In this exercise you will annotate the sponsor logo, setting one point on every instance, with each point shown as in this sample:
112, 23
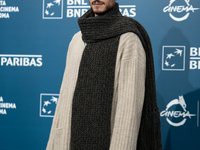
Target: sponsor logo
48, 104
4, 106
52, 9
176, 115
76, 8
21, 60
6, 10
128, 10
194, 58
179, 11
173, 58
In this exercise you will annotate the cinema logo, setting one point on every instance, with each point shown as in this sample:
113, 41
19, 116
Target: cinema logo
21, 60
4, 106
176, 118
181, 9
5, 10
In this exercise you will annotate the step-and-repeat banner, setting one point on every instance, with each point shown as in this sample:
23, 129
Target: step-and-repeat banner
34, 38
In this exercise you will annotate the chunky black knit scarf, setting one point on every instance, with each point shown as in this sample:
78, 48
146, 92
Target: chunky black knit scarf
92, 102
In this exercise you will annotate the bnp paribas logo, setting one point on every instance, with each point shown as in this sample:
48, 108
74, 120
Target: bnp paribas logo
173, 58
48, 104
52, 9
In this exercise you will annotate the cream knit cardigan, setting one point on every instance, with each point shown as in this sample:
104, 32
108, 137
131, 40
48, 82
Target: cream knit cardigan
128, 98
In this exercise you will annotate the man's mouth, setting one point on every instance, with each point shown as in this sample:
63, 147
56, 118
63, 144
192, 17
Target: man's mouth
97, 2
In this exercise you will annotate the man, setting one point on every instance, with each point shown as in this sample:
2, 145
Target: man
107, 98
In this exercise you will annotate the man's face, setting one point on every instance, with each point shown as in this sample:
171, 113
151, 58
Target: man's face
101, 7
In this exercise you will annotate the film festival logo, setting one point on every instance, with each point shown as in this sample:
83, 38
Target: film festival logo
4, 106
48, 104
179, 116
6, 10
179, 10
173, 58
52, 9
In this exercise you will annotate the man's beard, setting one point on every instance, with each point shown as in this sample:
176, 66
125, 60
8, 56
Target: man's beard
107, 9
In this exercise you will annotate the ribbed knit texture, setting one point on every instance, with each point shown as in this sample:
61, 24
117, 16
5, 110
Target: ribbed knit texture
96, 29
92, 102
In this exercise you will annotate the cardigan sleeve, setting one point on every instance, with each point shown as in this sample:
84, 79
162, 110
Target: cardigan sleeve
59, 110
129, 93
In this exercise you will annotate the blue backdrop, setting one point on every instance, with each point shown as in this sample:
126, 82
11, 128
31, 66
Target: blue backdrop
34, 38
